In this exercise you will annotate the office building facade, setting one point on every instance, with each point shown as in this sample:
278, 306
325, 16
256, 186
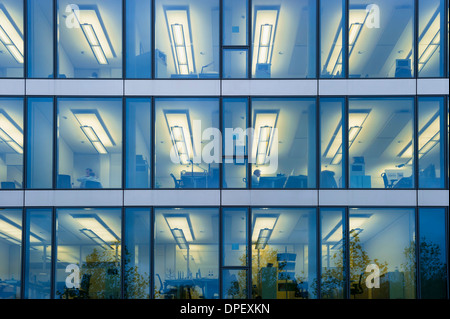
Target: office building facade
224, 149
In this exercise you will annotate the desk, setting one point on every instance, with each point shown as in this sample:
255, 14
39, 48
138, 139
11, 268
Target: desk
272, 181
194, 180
183, 288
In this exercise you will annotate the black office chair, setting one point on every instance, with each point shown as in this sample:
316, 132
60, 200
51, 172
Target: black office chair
356, 287
64, 181
387, 184
177, 182
93, 184
8, 185
327, 179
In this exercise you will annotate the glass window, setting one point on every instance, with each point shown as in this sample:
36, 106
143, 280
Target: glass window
431, 40
235, 22
88, 253
10, 253
38, 263
89, 39
235, 63
332, 116
187, 39
284, 257
186, 253
380, 39
234, 283
11, 39
332, 19
283, 151
89, 148
431, 112
11, 143
40, 143
138, 143
284, 39
187, 143
380, 139
333, 281
139, 38
235, 237
433, 248
382, 253
137, 253
40, 38
235, 119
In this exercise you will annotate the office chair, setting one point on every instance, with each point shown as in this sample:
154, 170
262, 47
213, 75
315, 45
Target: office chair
64, 181
356, 288
387, 184
93, 184
176, 181
8, 185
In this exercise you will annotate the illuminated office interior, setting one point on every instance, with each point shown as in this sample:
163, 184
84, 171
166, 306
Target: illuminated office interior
224, 149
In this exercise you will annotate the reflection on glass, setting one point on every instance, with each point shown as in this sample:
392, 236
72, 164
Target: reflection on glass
333, 285
11, 39
40, 38
235, 142
138, 145
433, 264
137, 253
187, 143
40, 143
235, 63
234, 237
284, 39
332, 112
138, 38
284, 143
187, 39
380, 139
11, 143
380, 38
332, 56
284, 253
39, 253
89, 39
187, 250
234, 283
88, 245
382, 239
89, 143
235, 13
10, 253
431, 38
431, 151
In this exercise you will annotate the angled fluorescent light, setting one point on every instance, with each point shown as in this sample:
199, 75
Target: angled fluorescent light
263, 238
178, 25
12, 231
266, 19
180, 226
96, 225
430, 39
95, 32
265, 124
95, 238
356, 222
357, 19
93, 126
178, 123
263, 222
10, 132
179, 237
10, 35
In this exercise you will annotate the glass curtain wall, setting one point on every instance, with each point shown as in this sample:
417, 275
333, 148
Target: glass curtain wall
11, 39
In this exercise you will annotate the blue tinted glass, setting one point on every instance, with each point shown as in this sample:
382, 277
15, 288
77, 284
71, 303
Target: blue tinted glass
39, 253
285, 259
138, 36
11, 143
89, 39
431, 38
137, 253
10, 253
40, 39
235, 63
234, 283
138, 145
235, 143
234, 236
431, 148
187, 143
284, 143
235, 22
11, 39
332, 56
89, 149
433, 259
187, 250
331, 139
380, 38
88, 257
40, 143
284, 39
187, 39
380, 139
